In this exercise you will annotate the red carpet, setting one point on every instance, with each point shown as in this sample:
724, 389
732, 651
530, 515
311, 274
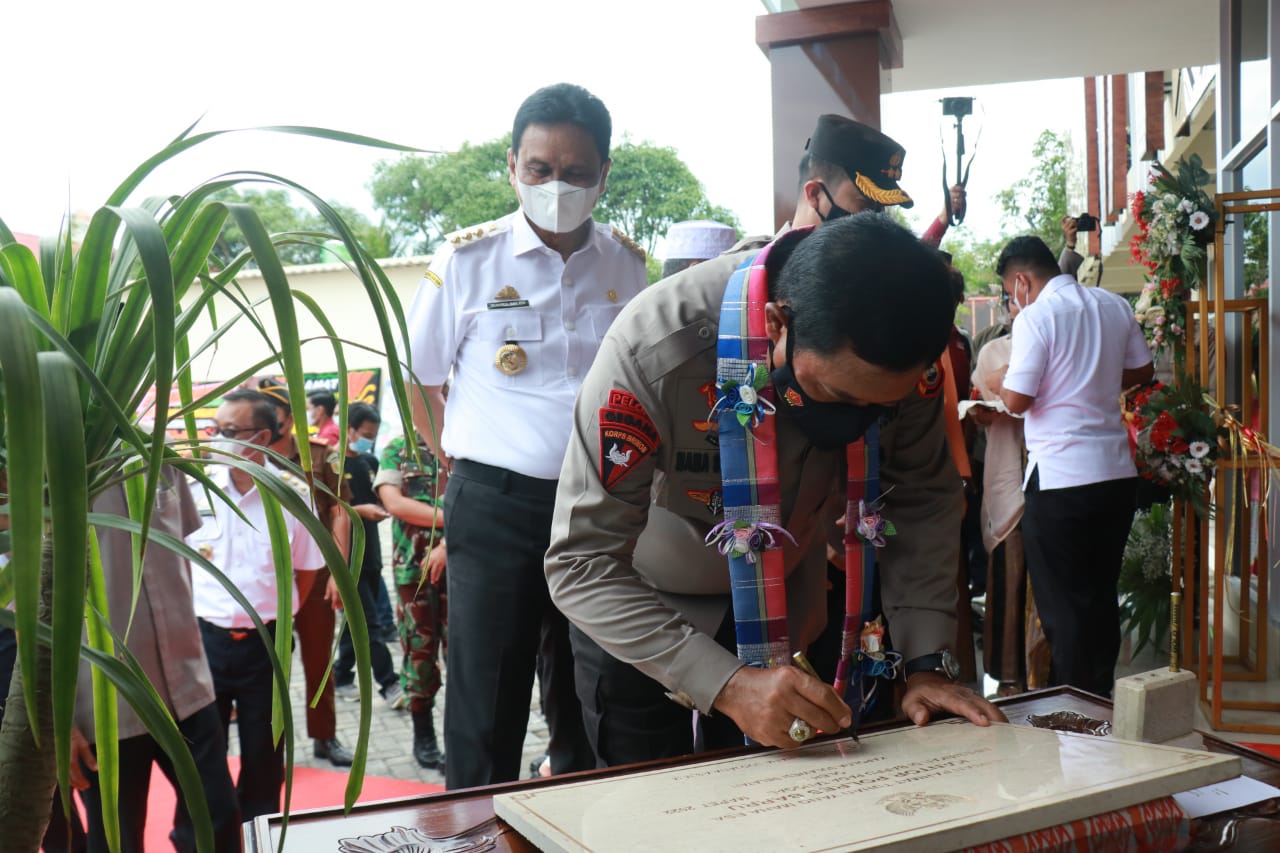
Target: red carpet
312, 789
1272, 749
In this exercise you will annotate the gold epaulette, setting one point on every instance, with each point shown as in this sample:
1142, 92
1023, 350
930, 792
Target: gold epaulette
629, 243
475, 234
296, 483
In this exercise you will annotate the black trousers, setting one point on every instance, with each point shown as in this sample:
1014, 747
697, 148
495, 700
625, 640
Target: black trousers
501, 619
384, 671
1074, 540
628, 715
242, 676
203, 734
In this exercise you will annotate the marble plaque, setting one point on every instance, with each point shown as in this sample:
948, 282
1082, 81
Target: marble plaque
945, 786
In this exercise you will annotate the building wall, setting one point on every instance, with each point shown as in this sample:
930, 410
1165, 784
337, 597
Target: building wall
340, 296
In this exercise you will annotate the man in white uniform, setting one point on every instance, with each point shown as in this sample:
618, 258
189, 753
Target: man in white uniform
516, 309
1074, 350
238, 658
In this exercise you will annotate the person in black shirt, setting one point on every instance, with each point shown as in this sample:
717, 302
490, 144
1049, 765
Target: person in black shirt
361, 465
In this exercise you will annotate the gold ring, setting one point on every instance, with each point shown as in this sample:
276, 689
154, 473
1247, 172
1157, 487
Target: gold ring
800, 731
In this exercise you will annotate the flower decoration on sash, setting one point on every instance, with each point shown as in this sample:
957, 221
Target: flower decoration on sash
744, 398
872, 527
739, 538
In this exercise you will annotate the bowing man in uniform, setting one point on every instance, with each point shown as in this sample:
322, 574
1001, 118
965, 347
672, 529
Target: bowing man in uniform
516, 308
822, 338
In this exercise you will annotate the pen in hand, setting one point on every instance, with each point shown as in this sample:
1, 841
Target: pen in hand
803, 664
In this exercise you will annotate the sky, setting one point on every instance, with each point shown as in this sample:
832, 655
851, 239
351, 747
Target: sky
95, 88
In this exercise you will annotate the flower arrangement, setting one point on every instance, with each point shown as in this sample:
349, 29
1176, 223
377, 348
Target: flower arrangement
1175, 222
1176, 438
745, 399
872, 527
740, 538
1146, 577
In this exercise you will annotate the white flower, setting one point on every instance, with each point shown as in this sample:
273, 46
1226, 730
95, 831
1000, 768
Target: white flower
1153, 173
1176, 462
1199, 449
1186, 206
1199, 220
1194, 466
1169, 198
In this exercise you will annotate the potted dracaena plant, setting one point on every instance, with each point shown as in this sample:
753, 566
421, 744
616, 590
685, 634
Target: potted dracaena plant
86, 330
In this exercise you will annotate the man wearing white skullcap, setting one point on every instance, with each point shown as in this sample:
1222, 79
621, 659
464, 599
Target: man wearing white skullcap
694, 241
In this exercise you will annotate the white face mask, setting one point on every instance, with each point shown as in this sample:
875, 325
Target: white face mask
557, 206
311, 417
227, 447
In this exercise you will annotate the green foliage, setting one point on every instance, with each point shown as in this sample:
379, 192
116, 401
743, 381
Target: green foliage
425, 198
1036, 203
976, 261
85, 332
1146, 577
650, 189
1255, 249
297, 227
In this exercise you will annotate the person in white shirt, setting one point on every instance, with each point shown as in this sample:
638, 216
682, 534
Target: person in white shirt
1074, 350
516, 309
238, 658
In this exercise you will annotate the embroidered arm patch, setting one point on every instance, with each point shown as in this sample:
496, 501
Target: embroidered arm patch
931, 382
627, 436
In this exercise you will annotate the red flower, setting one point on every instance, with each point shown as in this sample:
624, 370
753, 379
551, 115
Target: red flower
1178, 447
1137, 204
1162, 431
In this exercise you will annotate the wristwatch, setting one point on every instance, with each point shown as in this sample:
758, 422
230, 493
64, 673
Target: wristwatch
942, 662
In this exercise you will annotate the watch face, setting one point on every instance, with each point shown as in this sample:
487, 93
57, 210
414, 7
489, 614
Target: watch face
950, 666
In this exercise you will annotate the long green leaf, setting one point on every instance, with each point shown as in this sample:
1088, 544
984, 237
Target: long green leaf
259, 242
68, 504
154, 256
106, 722
282, 556
21, 271
24, 433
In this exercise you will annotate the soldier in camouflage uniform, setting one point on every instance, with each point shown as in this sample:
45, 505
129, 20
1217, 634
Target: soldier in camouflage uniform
409, 492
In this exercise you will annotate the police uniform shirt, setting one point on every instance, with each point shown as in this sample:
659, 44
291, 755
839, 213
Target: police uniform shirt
243, 553
499, 284
641, 489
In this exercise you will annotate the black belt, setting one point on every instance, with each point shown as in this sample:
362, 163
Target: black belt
505, 480
237, 634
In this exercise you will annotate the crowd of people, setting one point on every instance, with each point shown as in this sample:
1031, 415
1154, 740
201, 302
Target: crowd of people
649, 498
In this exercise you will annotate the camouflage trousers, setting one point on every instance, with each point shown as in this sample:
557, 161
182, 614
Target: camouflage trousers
423, 636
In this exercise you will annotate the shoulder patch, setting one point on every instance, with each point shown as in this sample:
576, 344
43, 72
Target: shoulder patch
931, 382
627, 436
632, 245
430, 276
296, 483
477, 234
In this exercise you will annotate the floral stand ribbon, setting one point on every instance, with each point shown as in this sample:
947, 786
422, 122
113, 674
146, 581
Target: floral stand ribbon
752, 535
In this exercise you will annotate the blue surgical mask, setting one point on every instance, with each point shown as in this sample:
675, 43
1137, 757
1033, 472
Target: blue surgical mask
363, 445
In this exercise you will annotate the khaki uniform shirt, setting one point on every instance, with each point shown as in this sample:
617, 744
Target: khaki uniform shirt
640, 490
164, 636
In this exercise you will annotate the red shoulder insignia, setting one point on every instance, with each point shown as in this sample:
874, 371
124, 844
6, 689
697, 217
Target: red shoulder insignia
627, 436
931, 382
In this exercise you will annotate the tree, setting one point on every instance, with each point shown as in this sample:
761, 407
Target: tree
976, 261
85, 332
1036, 203
423, 198
650, 189
280, 216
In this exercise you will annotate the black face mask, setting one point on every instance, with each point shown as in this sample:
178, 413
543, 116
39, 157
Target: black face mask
836, 211
828, 426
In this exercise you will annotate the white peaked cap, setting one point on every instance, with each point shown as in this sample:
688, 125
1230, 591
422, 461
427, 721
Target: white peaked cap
699, 239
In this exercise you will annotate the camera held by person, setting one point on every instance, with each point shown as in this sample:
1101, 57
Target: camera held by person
1086, 222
